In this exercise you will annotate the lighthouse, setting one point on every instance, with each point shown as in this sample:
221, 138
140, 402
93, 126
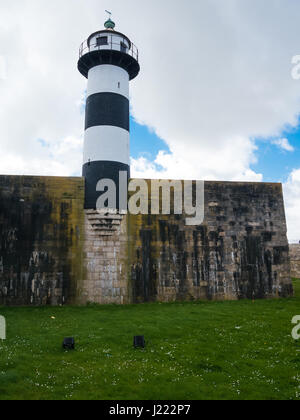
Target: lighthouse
109, 60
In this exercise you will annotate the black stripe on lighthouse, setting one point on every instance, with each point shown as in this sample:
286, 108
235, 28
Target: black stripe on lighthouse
110, 109
93, 172
106, 142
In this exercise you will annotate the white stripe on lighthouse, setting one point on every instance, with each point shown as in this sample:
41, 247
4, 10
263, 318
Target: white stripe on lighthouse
108, 78
106, 143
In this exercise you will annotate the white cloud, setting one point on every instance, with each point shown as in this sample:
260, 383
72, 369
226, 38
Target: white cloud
212, 79
39, 96
284, 144
2, 68
221, 80
292, 201
56, 159
202, 86
209, 166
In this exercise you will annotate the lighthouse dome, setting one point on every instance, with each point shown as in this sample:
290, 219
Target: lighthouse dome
109, 24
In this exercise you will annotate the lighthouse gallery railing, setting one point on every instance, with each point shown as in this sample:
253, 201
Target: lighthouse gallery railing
85, 47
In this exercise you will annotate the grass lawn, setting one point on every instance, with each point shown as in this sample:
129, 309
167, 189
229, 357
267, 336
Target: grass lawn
210, 350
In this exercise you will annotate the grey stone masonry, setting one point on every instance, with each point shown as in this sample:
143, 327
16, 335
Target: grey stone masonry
295, 260
104, 258
54, 252
239, 251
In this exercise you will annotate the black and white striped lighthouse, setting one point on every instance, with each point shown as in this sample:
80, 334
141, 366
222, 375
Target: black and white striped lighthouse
109, 60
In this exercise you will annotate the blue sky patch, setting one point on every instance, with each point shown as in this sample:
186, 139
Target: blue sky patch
144, 142
275, 163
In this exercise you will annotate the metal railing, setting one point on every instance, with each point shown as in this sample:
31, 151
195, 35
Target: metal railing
85, 47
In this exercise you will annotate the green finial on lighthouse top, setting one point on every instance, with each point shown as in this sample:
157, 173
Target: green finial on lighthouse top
109, 24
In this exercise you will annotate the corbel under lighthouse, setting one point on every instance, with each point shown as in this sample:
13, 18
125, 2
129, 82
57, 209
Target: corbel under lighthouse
109, 60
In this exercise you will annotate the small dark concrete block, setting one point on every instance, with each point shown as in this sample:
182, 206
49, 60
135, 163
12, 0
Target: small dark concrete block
139, 341
69, 343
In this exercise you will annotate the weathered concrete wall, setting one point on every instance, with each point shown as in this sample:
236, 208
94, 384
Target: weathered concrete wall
41, 232
295, 261
54, 252
240, 251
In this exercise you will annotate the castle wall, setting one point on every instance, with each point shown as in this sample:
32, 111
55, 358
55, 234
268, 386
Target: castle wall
52, 251
295, 261
41, 237
240, 251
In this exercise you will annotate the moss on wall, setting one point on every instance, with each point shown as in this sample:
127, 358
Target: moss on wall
54, 252
240, 251
41, 222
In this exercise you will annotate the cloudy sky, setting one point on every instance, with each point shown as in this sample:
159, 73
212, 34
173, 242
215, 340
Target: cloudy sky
218, 97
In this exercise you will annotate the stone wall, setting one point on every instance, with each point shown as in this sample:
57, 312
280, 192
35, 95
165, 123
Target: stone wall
240, 251
105, 259
41, 237
295, 261
54, 252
